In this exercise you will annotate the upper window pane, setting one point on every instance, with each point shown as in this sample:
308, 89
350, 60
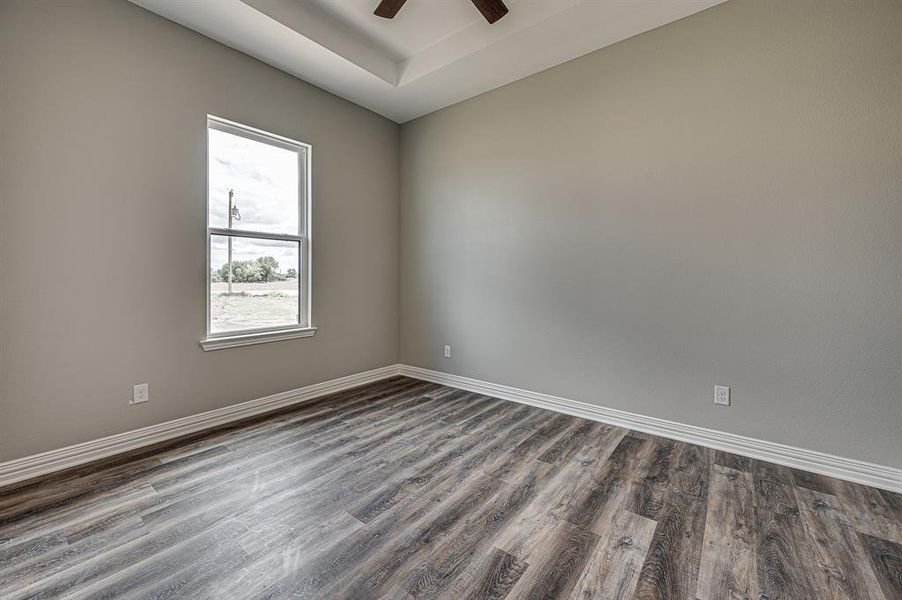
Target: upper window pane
263, 180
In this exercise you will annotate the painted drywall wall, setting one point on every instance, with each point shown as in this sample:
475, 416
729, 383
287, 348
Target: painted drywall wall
102, 223
718, 201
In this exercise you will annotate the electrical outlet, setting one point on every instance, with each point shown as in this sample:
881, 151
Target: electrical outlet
447, 351
140, 394
721, 395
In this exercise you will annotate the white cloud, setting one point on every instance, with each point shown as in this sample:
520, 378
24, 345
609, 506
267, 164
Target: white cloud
264, 179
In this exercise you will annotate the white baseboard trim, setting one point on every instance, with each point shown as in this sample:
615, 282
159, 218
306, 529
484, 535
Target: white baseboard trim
37, 465
887, 478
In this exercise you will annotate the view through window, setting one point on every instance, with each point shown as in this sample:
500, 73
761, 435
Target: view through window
256, 231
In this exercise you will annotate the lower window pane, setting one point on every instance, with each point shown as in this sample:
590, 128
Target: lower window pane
264, 290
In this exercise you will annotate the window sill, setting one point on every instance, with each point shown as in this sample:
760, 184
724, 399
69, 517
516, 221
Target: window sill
249, 339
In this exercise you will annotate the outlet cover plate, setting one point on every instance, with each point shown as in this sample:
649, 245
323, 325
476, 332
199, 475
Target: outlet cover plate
721, 395
140, 394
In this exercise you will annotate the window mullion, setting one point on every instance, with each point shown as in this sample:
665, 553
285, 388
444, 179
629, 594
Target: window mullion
259, 235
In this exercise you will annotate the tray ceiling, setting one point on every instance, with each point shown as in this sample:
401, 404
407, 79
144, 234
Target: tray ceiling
432, 54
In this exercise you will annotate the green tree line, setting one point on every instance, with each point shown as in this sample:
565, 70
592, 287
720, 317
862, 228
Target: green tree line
261, 270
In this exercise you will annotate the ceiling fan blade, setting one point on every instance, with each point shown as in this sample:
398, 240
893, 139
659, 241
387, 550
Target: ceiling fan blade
387, 9
492, 10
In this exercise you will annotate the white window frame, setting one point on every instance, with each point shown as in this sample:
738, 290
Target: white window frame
304, 328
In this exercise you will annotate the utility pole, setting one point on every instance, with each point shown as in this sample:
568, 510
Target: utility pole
234, 215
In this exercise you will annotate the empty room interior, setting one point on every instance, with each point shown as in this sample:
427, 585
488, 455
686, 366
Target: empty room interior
452, 299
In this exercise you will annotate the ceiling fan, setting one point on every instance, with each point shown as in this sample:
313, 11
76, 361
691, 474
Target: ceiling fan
492, 10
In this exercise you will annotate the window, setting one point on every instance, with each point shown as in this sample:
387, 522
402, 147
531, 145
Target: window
258, 240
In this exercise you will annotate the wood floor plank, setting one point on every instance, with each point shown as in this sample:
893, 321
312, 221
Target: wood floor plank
671, 565
733, 461
397, 594
692, 470
842, 570
489, 576
613, 569
474, 407
613, 477
377, 559
507, 465
449, 557
583, 434
275, 562
886, 560
405, 489
400, 518
812, 481
386, 496
571, 494
728, 556
871, 511
783, 557
168, 575
893, 502
130, 565
40, 568
83, 513
557, 566
462, 460
648, 494
774, 488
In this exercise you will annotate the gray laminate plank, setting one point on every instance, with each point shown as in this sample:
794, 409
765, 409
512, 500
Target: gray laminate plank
557, 565
733, 461
774, 488
279, 558
886, 560
781, 571
594, 504
449, 557
812, 481
376, 558
841, 562
871, 511
613, 569
648, 494
671, 565
507, 465
489, 576
467, 449
42, 567
728, 568
576, 440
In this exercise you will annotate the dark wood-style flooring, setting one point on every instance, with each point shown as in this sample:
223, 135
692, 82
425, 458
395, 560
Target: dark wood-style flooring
405, 489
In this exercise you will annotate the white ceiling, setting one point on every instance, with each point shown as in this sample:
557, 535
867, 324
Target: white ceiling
432, 54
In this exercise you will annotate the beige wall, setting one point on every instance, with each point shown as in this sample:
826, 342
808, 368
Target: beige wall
715, 201
102, 200
718, 201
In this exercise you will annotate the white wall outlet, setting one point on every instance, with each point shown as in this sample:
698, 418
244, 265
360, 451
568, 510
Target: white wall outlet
447, 351
140, 394
721, 395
